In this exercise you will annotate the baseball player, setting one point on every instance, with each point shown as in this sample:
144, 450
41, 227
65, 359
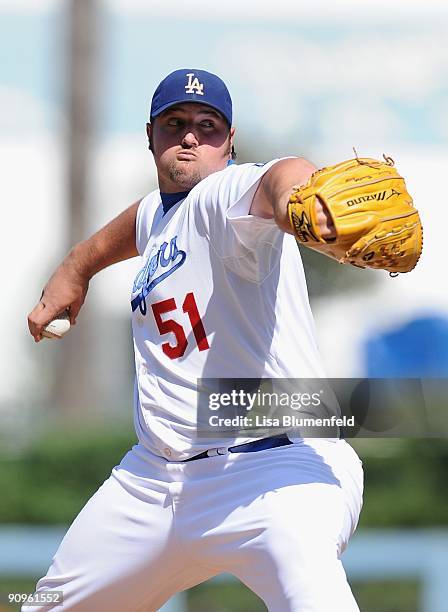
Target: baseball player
221, 293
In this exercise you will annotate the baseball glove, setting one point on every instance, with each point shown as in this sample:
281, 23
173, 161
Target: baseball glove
375, 221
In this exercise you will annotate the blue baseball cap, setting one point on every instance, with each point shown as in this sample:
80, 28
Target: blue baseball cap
190, 85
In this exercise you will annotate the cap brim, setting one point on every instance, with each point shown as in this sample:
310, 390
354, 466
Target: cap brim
189, 100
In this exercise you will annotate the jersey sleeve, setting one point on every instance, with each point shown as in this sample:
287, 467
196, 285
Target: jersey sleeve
144, 221
248, 245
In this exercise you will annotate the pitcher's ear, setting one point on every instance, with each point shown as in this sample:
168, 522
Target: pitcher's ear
149, 135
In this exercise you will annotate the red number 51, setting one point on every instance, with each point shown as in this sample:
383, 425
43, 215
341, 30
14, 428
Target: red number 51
167, 326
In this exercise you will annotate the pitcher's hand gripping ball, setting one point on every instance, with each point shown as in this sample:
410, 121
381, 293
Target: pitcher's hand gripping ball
58, 327
376, 223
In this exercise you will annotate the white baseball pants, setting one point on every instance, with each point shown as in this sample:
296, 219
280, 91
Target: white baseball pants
277, 519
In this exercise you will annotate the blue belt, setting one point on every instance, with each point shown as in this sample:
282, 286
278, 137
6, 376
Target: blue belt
248, 447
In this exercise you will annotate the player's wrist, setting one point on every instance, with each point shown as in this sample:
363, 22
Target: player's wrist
80, 261
281, 216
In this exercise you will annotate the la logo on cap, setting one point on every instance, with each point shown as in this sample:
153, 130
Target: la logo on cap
193, 85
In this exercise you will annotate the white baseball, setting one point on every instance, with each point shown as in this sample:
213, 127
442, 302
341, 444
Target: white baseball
56, 328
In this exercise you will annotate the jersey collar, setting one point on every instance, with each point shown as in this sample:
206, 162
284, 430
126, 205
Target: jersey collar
170, 199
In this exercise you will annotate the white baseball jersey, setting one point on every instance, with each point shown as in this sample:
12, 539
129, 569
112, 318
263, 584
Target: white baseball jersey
221, 294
